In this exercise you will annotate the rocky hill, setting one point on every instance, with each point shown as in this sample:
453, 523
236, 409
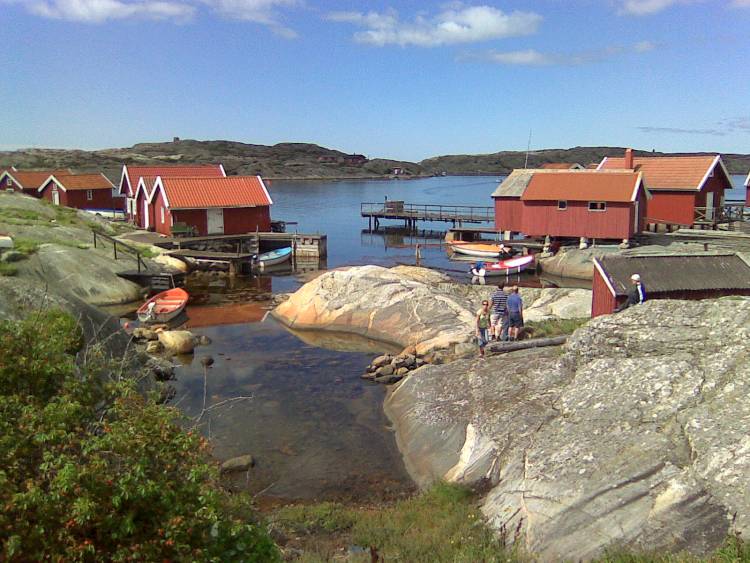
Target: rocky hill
306, 160
284, 160
505, 161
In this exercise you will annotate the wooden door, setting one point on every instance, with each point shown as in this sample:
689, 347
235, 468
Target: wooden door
215, 221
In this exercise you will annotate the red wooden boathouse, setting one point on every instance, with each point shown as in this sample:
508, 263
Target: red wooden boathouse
686, 190
144, 216
673, 276
571, 203
92, 192
26, 181
132, 174
231, 205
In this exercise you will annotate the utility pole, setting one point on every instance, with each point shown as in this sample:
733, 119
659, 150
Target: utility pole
528, 148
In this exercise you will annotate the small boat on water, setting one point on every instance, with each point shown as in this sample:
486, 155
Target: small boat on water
274, 257
507, 267
480, 250
163, 306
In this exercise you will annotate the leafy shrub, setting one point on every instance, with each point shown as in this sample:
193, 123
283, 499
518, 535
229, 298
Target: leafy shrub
7, 269
25, 246
90, 469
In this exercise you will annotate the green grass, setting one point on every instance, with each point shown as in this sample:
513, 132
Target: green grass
25, 246
7, 269
734, 549
555, 327
443, 524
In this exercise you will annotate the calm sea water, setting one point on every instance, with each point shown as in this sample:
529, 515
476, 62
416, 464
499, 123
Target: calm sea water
316, 429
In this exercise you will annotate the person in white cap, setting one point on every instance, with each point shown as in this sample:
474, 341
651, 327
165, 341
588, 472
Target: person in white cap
636, 295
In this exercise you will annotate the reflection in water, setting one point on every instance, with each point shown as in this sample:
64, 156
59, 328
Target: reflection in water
315, 428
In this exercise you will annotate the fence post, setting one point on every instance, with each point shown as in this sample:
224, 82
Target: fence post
94, 239
114, 245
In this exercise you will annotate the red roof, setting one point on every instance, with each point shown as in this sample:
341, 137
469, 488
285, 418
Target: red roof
165, 170
669, 172
583, 186
33, 179
83, 181
200, 193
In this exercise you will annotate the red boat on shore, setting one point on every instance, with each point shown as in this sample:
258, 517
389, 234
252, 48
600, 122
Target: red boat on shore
163, 306
506, 267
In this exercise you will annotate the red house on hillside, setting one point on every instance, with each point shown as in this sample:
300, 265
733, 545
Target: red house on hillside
571, 203
673, 276
232, 205
686, 190
26, 181
131, 174
92, 192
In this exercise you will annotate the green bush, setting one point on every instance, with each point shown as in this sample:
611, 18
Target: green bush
7, 269
90, 469
25, 246
553, 327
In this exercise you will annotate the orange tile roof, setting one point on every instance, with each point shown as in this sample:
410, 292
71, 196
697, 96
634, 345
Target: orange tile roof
33, 179
200, 193
667, 172
173, 170
583, 186
84, 181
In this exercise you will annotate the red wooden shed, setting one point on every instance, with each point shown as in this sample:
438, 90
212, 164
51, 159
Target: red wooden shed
686, 190
26, 181
231, 205
131, 174
144, 216
92, 192
669, 276
584, 204
507, 198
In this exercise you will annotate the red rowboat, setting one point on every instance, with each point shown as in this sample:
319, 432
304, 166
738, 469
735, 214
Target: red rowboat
509, 266
163, 306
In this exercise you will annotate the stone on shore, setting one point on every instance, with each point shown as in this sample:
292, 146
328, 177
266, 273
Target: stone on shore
239, 463
177, 341
406, 306
635, 436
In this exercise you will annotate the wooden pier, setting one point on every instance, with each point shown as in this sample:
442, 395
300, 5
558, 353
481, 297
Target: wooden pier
410, 213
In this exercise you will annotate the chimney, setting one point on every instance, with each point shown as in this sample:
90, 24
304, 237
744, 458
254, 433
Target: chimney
628, 158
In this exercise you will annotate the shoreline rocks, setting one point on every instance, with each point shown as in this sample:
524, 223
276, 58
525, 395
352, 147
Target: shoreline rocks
634, 436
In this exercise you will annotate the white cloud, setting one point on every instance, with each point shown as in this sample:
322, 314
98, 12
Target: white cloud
97, 11
532, 57
457, 25
648, 7
264, 12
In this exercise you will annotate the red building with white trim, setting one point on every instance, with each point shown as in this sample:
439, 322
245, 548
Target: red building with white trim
684, 189
26, 181
92, 192
131, 175
571, 203
231, 205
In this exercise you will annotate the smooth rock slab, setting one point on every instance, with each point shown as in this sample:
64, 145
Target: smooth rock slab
636, 435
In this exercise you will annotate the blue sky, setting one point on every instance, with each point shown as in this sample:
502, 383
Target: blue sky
391, 79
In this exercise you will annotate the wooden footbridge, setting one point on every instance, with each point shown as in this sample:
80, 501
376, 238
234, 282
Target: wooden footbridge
410, 213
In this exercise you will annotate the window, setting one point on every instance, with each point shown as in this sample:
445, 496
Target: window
89, 195
162, 215
597, 205
10, 182
562, 205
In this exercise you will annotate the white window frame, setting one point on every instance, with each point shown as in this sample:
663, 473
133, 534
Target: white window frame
562, 204
89, 195
9, 184
162, 215
595, 205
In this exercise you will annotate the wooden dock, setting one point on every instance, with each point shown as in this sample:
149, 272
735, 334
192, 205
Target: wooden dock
410, 213
303, 245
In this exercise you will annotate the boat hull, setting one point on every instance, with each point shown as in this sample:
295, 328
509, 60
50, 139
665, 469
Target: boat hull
509, 266
163, 307
274, 257
475, 249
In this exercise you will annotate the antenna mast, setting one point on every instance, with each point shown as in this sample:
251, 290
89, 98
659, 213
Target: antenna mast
528, 148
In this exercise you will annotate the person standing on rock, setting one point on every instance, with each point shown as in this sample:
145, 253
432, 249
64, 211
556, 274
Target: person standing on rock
498, 319
483, 327
636, 295
515, 313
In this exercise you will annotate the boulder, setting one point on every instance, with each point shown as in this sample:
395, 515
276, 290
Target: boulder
154, 347
177, 341
142, 333
12, 256
384, 370
402, 371
634, 436
381, 360
388, 379
404, 306
239, 463
170, 263
574, 262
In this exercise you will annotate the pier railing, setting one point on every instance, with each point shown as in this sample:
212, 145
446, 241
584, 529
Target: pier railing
123, 247
428, 212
